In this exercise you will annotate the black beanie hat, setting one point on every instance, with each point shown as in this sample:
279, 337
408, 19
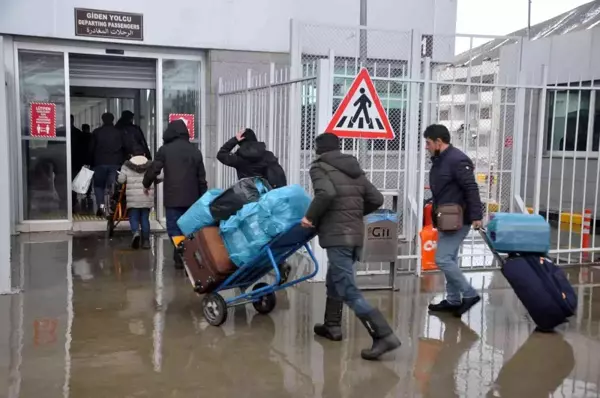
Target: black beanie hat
249, 136
326, 143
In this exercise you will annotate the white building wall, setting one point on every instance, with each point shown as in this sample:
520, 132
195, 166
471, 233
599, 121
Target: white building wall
259, 25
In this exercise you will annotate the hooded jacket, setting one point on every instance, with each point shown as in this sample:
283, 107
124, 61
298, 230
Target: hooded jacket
342, 197
182, 165
251, 159
134, 138
132, 173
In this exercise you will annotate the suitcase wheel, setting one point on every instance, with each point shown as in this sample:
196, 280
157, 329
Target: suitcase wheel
264, 304
215, 309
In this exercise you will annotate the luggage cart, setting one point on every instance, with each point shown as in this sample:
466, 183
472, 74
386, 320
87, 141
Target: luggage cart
117, 209
262, 296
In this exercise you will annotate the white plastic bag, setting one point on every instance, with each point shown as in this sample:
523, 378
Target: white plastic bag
83, 180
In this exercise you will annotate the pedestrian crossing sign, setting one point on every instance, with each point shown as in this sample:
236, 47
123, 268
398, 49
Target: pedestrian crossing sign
360, 114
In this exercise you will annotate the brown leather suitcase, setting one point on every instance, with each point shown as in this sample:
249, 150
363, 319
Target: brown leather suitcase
206, 260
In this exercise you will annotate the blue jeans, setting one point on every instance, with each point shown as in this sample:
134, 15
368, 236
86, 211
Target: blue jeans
340, 280
137, 217
172, 215
104, 176
446, 258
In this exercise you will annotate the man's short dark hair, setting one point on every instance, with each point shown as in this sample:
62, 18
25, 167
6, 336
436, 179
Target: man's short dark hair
436, 131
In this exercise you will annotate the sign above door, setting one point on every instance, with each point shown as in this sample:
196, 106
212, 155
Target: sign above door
109, 24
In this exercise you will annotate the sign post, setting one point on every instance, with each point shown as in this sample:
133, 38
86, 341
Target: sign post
187, 118
43, 120
109, 24
361, 114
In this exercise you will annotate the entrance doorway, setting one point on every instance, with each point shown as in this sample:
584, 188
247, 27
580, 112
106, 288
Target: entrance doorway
88, 104
64, 79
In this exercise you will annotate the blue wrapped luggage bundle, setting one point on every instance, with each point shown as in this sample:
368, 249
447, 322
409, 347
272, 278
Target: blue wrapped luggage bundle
247, 232
198, 216
519, 233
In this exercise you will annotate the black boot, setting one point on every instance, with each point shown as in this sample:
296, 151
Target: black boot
135, 242
178, 261
384, 339
332, 327
145, 242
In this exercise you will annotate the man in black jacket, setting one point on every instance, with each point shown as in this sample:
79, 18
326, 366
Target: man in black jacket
252, 158
108, 154
452, 182
184, 175
134, 136
343, 196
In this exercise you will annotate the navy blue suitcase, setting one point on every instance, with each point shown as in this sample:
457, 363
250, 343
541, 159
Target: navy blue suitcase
542, 287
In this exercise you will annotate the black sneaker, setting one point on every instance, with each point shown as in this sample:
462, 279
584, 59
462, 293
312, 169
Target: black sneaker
444, 306
467, 304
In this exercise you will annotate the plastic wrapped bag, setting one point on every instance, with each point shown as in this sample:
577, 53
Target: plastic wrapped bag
244, 235
519, 233
198, 216
246, 190
256, 224
286, 207
83, 180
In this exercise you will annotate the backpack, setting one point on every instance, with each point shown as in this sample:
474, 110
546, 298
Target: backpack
275, 175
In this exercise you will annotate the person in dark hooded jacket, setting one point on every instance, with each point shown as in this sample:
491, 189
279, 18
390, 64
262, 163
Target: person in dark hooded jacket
134, 136
252, 159
184, 175
343, 196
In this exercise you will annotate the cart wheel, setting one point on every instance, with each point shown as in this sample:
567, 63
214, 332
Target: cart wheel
215, 309
264, 304
110, 228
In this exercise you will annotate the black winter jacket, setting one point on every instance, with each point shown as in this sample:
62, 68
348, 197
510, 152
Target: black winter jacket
343, 196
80, 149
184, 174
134, 139
250, 160
108, 146
452, 181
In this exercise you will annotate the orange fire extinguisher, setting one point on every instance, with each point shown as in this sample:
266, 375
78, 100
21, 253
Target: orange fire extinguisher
429, 237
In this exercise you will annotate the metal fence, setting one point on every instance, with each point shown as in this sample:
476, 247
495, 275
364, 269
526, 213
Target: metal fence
534, 143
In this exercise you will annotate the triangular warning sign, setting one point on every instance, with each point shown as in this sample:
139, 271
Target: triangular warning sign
360, 114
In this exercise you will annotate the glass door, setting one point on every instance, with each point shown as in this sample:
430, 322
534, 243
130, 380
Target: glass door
44, 136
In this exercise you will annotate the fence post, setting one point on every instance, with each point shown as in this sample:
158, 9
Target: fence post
271, 116
324, 109
540, 141
248, 120
423, 154
517, 147
220, 132
412, 142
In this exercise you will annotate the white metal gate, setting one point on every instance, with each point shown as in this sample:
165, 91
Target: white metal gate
495, 112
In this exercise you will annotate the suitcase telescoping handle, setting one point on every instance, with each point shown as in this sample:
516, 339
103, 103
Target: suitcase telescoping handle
488, 242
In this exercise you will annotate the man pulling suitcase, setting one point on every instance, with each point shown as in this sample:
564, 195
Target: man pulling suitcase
456, 207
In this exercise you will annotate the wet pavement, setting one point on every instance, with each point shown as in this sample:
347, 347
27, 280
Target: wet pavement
96, 319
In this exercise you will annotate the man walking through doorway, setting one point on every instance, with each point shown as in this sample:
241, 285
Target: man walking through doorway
134, 136
455, 192
108, 154
80, 146
184, 176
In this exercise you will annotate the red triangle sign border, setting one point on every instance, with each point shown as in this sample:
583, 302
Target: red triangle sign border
388, 134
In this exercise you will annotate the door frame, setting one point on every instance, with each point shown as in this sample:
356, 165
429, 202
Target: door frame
67, 47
